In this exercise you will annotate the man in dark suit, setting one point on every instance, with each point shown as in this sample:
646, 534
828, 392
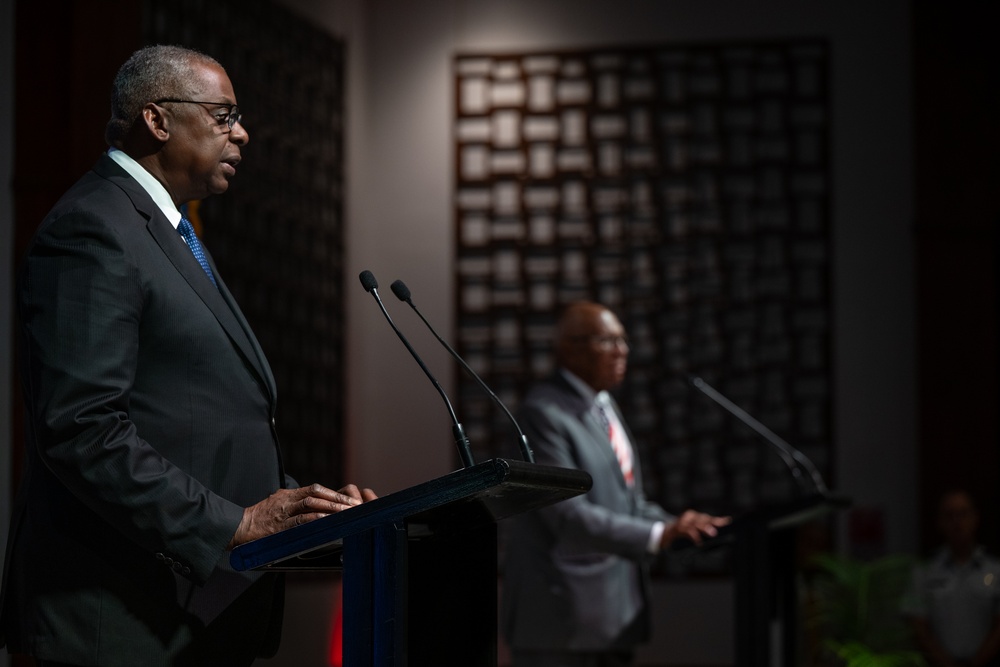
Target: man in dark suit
150, 441
576, 582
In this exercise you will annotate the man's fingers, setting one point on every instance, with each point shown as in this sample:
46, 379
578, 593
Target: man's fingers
286, 508
349, 495
696, 524
311, 504
300, 519
317, 497
351, 491
696, 530
710, 525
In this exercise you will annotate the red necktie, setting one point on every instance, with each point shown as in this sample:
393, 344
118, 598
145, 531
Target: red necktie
619, 441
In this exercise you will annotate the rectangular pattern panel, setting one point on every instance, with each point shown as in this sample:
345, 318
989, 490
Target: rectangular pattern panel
687, 187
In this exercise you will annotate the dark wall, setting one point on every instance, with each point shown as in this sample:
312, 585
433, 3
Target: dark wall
62, 83
957, 171
63, 73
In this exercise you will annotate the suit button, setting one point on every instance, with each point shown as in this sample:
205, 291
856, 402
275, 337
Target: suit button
159, 556
185, 570
177, 567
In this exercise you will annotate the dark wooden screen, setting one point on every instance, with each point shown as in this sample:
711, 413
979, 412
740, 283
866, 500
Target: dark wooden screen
686, 187
277, 235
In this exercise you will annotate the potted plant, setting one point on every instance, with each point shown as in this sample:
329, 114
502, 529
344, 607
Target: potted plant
853, 608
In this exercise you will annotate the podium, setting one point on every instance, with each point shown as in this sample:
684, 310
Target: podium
764, 568
420, 569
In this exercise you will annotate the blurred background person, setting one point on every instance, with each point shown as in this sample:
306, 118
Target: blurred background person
576, 581
954, 601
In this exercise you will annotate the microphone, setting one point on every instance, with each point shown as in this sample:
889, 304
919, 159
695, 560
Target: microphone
793, 458
402, 293
461, 441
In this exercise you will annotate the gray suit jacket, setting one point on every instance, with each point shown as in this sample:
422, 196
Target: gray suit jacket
575, 573
149, 427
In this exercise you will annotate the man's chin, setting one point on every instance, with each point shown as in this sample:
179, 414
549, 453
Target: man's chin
616, 382
218, 187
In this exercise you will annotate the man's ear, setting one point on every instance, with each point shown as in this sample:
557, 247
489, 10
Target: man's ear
156, 121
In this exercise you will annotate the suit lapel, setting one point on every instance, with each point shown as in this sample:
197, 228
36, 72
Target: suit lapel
262, 364
589, 417
219, 301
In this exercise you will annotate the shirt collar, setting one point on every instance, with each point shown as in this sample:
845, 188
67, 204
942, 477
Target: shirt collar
585, 390
152, 186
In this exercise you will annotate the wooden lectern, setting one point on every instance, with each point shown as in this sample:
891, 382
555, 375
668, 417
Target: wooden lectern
420, 565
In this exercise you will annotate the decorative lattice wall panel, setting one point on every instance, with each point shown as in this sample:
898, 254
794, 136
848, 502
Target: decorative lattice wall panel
277, 235
686, 187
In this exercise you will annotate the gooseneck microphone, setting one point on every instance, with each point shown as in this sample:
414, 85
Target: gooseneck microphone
402, 293
461, 441
793, 458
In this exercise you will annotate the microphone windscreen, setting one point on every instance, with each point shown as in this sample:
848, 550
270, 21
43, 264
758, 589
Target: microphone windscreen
368, 281
401, 291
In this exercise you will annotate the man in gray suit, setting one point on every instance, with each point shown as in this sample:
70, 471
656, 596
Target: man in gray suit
150, 440
576, 581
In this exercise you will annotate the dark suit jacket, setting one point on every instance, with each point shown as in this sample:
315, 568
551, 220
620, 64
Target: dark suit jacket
149, 427
575, 574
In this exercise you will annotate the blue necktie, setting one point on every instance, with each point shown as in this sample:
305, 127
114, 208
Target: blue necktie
187, 232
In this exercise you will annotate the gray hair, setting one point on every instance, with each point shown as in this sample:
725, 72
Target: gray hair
151, 73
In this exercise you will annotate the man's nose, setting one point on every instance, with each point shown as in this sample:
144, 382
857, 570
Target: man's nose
239, 135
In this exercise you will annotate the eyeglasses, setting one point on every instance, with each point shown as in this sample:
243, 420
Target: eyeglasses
230, 117
606, 342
